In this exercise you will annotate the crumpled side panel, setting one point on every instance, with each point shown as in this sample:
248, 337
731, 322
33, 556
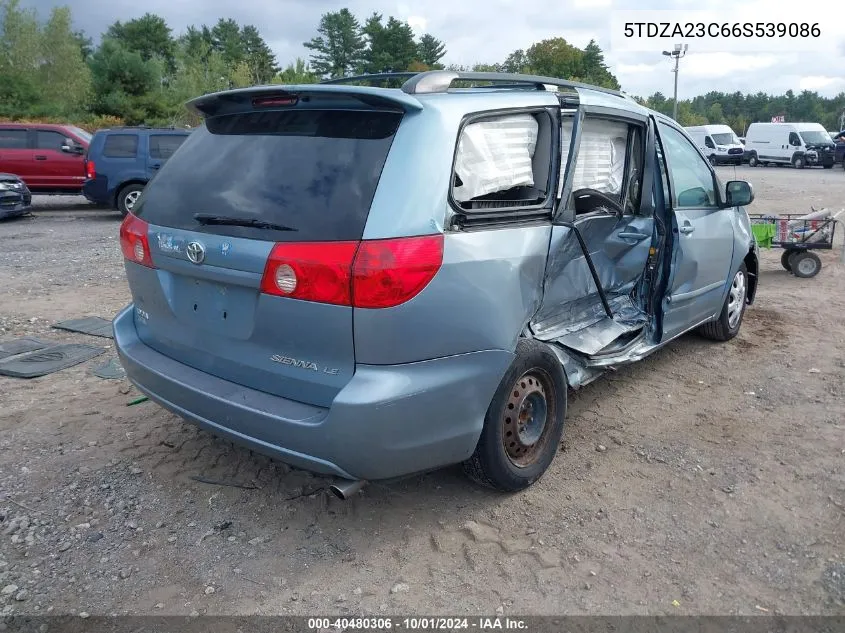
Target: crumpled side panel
571, 299
496, 156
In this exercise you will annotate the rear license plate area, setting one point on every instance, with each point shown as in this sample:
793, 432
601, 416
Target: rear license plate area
214, 307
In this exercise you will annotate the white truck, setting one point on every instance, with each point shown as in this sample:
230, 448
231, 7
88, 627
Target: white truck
797, 144
718, 143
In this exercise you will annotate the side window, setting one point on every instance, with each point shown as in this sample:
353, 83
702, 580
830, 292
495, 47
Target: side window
693, 184
794, 140
708, 142
610, 160
13, 139
121, 146
45, 139
504, 163
163, 145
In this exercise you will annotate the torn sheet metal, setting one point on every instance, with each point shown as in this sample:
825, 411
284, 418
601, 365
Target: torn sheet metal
496, 156
571, 299
601, 155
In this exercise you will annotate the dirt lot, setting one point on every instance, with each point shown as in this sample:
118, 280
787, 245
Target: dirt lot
707, 479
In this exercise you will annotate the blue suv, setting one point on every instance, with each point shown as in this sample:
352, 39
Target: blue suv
120, 162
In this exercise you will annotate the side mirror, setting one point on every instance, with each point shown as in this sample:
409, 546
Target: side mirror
738, 193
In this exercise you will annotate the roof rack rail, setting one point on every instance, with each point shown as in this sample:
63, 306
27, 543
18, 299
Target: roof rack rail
441, 80
371, 77
437, 81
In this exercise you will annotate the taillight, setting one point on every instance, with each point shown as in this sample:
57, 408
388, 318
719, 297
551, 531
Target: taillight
90, 170
134, 242
368, 274
387, 273
311, 271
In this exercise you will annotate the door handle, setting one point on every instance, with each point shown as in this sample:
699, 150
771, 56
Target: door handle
40, 158
632, 235
155, 166
687, 228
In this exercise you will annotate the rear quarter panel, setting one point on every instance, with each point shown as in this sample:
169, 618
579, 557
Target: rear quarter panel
490, 283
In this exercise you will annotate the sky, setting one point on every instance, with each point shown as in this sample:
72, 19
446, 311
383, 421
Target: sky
488, 30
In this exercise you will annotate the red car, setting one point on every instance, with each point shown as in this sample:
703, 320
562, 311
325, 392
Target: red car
48, 158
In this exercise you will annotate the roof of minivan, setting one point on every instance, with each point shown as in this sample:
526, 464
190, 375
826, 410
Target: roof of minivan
428, 88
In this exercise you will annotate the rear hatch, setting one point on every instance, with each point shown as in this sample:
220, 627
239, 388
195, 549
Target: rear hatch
240, 257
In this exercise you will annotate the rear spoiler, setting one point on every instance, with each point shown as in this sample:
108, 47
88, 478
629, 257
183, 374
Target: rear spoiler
239, 100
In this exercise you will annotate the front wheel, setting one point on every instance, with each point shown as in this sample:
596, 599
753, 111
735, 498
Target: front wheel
730, 319
798, 162
753, 161
713, 160
524, 423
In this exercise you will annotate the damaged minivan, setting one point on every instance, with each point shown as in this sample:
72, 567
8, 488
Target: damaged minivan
370, 282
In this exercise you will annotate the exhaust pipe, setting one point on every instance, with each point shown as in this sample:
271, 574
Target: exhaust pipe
344, 488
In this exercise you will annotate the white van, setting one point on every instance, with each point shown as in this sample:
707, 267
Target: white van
718, 143
798, 144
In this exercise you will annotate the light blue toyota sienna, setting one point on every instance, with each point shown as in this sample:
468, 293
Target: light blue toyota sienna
370, 282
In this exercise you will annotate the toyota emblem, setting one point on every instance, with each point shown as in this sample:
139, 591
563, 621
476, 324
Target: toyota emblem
195, 252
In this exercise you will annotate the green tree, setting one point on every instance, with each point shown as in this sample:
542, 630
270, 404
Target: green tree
62, 71
391, 46
122, 82
85, 43
715, 114
226, 39
258, 56
20, 54
430, 51
148, 35
555, 58
298, 72
594, 70
517, 62
338, 49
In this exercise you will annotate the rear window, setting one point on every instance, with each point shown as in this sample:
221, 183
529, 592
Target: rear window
13, 139
163, 145
121, 146
313, 171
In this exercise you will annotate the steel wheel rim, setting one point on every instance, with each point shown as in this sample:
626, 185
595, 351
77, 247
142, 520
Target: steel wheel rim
131, 198
806, 266
736, 299
526, 421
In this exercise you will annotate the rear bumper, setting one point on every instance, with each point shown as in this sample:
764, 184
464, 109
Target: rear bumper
97, 191
387, 422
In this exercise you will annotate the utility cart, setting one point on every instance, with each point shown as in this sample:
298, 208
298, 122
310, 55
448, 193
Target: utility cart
799, 236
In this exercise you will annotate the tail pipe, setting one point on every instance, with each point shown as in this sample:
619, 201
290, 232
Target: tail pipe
344, 488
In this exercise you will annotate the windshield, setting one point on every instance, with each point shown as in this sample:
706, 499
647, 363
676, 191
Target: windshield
812, 137
85, 136
315, 171
726, 138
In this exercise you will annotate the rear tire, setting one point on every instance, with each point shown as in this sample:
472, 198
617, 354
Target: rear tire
805, 264
713, 160
727, 325
524, 423
753, 161
784, 260
127, 197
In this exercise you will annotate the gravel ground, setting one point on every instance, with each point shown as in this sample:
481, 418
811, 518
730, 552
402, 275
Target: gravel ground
707, 479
